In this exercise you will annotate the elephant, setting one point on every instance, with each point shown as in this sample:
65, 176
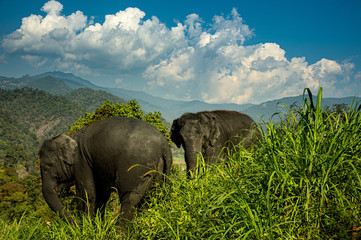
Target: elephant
208, 132
122, 154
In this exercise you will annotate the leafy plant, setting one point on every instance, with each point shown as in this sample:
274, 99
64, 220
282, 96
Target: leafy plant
130, 109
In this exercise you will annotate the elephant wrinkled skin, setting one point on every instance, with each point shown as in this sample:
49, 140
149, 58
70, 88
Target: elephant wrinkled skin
209, 132
115, 153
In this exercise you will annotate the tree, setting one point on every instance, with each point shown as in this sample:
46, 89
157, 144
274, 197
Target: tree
13, 195
14, 155
130, 109
13, 199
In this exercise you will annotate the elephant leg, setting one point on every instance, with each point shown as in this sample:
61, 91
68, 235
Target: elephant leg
102, 199
86, 201
130, 200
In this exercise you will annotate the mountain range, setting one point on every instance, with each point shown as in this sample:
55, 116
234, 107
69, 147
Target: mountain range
60, 83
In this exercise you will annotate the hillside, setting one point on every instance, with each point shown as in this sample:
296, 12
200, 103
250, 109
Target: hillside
51, 85
73, 81
27, 116
92, 99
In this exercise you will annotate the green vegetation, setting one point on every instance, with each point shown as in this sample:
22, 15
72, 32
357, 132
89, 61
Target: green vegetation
92, 98
130, 109
303, 181
26, 117
51, 85
20, 196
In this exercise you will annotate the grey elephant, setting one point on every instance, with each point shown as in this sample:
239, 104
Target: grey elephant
116, 153
209, 132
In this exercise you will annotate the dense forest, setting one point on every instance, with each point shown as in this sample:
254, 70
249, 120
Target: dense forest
28, 116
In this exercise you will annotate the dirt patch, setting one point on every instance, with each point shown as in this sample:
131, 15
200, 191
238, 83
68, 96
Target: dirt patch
179, 162
43, 129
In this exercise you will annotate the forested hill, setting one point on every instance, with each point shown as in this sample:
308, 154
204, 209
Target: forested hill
92, 99
28, 116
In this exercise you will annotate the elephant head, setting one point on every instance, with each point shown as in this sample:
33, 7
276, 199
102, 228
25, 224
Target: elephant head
57, 156
197, 133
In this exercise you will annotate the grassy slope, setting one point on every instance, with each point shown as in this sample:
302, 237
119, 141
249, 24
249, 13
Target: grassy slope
302, 182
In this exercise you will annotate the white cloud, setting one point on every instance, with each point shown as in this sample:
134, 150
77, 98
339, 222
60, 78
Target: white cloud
192, 60
34, 61
52, 7
241, 74
42, 36
358, 76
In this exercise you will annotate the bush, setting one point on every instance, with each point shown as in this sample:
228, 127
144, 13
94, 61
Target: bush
131, 109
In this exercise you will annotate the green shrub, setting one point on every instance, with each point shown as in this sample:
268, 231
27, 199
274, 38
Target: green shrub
130, 109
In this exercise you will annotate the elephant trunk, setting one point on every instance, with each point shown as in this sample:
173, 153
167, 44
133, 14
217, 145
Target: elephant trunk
51, 197
190, 154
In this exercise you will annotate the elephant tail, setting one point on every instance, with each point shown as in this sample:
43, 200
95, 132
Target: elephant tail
167, 160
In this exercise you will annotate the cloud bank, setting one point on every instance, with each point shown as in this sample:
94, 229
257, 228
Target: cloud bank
192, 60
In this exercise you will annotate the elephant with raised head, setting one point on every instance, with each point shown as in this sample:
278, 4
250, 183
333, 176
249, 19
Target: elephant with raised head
125, 154
209, 132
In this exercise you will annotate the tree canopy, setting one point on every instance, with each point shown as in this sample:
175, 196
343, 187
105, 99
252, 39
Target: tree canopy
130, 109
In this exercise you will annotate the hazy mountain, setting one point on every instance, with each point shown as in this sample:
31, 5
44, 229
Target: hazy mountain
170, 109
11, 83
51, 85
92, 99
267, 109
73, 81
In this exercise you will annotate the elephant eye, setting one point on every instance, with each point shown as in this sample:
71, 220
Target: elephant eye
56, 176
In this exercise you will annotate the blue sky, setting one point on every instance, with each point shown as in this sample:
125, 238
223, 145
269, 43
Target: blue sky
214, 51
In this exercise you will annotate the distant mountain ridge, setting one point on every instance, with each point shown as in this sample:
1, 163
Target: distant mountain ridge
51, 85
170, 109
73, 81
267, 109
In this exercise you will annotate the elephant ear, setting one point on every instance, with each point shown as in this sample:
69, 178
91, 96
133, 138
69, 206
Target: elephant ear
213, 127
174, 133
67, 148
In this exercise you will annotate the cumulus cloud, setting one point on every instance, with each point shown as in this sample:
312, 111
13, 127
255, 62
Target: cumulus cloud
242, 74
191, 60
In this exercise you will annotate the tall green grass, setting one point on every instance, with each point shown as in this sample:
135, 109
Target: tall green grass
85, 228
302, 181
